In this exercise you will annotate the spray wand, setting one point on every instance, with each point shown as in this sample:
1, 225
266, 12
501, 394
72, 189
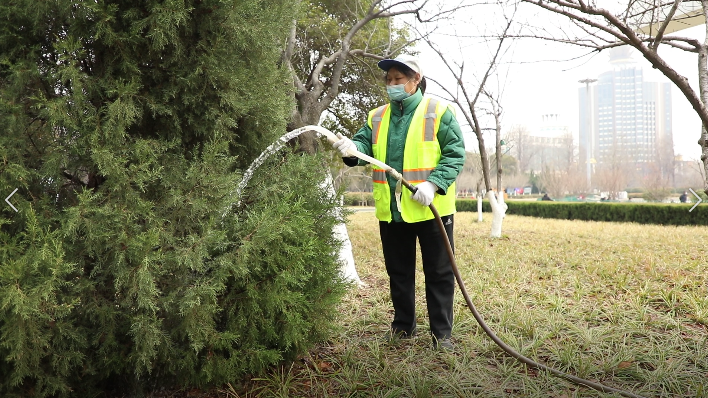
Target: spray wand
477, 316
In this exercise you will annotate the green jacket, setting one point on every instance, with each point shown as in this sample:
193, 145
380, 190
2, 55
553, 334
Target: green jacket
452, 147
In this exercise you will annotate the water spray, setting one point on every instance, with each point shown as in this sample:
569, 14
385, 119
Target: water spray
332, 138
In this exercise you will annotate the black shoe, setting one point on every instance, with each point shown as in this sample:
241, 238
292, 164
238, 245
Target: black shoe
394, 335
443, 344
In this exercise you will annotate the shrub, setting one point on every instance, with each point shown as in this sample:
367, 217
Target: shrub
125, 125
471, 205
657, 195
359, 199
643, 213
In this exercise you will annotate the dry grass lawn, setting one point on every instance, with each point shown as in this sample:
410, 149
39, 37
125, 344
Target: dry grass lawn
621, 304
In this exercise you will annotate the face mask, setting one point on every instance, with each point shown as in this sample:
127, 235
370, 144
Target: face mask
397, 92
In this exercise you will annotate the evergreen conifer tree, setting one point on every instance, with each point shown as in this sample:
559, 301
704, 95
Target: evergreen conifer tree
125, 124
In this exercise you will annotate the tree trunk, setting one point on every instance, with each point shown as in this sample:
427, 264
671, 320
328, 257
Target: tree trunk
499, 152
498, 205
485, 161
498, 213
346, 255
479, 203
306, 113
703, 92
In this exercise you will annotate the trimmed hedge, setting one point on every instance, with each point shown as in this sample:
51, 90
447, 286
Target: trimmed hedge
358, 199
471, 205
642, 213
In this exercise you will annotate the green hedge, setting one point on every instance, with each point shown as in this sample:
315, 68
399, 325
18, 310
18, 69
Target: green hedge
358, 199
471, 205
642, 213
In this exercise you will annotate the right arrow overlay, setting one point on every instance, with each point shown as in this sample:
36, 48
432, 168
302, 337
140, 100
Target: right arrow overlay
697, 203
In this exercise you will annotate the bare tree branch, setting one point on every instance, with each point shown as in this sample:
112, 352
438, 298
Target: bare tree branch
624, 34
468, 103
662, 29
318, 82
693, 46
343, 54
629, 30
288, 56
681, 46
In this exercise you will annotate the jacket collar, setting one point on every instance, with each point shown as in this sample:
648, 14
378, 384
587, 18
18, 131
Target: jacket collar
408, 105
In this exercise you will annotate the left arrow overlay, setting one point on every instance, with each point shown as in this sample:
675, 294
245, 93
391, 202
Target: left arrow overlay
8, 200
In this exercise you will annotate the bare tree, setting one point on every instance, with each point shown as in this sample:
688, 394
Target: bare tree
656, 185
471, 172
518, 145
569, 152
355, 179
470, 179
320, 75
577, 179
496, 112
560, 173
553, 181
644, 25
517, 139
470, 105
614, 174
558, 182
689, 173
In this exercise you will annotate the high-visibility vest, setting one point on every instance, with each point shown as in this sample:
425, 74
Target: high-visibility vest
421, 155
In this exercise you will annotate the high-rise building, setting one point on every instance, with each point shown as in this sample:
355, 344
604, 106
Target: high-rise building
625, 120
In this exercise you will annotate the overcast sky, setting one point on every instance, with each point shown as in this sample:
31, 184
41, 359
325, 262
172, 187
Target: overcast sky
539, 76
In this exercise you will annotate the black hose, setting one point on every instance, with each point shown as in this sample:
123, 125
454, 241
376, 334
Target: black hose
527, 361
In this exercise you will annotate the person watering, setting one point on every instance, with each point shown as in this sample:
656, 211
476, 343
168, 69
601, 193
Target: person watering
419, 137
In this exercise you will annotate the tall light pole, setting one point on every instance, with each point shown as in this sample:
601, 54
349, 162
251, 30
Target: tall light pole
590, 139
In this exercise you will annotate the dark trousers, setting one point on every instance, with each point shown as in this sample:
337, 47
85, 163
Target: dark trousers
399, 249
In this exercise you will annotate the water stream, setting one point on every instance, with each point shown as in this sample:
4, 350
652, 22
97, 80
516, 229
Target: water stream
280, 142
346, 256
248, 174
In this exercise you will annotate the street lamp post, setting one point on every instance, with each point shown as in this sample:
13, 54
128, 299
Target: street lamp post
590, 139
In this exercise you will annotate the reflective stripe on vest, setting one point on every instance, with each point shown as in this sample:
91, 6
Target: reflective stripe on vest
378, 119
379, 176
416, 175
421, 156
376, 123
430, 119
430, 127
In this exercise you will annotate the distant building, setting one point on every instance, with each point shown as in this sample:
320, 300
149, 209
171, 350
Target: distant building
626, 120
549, 144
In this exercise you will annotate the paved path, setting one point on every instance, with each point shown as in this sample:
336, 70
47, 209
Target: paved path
359, 209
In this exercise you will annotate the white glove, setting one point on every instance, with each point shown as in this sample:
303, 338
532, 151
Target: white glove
425, 193
344, 145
